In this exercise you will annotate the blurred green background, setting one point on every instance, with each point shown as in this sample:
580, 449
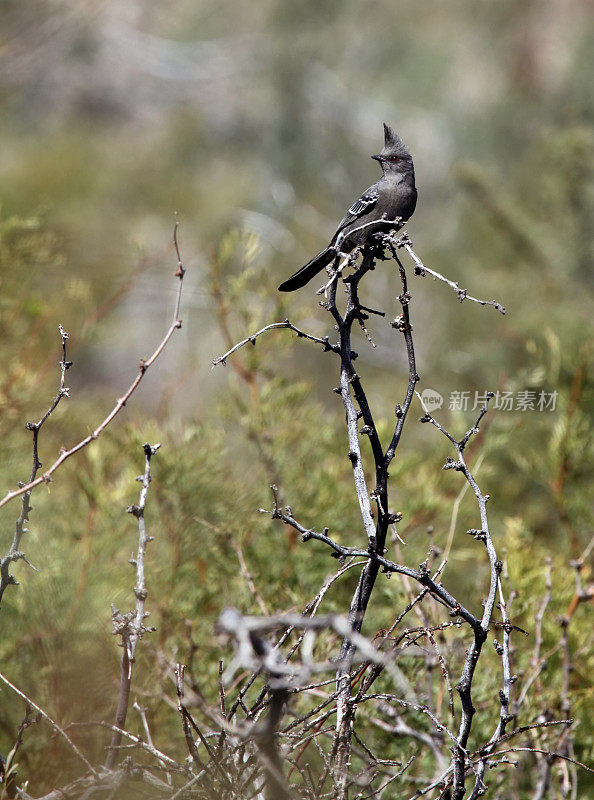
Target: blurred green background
255, 123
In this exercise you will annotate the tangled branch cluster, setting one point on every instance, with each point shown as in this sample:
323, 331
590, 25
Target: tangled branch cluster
317, 703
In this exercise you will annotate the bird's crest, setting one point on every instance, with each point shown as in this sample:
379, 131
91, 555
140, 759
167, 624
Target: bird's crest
389, 135
393, 142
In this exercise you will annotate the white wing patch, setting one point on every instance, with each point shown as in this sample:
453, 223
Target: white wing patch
361, 205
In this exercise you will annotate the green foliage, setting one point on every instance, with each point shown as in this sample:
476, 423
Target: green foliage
211, 477
84, 194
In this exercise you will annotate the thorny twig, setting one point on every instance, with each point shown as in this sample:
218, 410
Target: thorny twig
420, 269
7, 769
130, 627
144, 365
60, 731
14, 554
464, 686
274, 326
159, 755
376, 521
242, 760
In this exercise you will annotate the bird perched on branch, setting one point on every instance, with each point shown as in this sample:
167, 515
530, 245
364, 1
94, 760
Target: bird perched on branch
393, 196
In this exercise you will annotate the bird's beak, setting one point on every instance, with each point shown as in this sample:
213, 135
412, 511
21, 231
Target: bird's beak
378, 158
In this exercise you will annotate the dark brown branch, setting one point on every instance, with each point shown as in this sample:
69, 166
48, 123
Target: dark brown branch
376, 529
421, 575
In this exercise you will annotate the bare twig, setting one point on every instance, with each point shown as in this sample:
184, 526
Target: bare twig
14, 554
249, 578
53, 724
420, 269
130, 627
464, 686
136, 740
274, 326
547, 753
121, 402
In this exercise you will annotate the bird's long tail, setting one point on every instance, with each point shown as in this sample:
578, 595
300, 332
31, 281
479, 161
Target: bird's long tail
306, 273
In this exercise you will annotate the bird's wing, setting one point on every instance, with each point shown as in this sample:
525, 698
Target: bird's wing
364, 204
359, 209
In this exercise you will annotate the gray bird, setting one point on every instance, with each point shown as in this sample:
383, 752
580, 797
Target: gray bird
394, 195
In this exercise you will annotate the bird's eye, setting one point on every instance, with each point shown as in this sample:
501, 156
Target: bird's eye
393, 158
